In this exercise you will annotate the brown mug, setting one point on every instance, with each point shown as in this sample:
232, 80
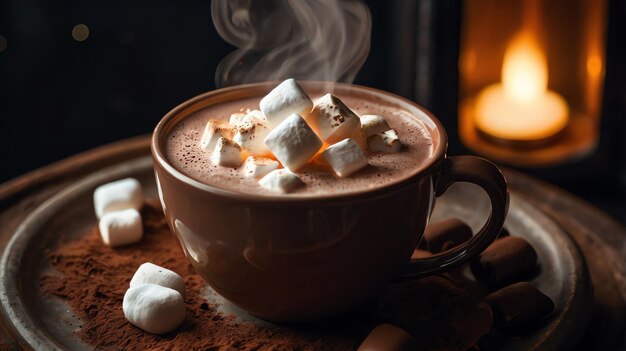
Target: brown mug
288, 258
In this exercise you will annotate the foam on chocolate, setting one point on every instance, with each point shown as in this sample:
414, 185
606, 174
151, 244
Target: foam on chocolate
184, 153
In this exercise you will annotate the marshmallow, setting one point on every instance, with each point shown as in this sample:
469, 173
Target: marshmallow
237, 119
293, 142
252, 114
358, 135
121, 227
373, 124
149, 273
331, 120
281, 180
214, 130
384, 142
345, 157
154, 308
250, 136
227, 153
119, 195
286, 99
258, 167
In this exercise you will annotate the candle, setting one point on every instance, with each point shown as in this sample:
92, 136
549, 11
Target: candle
521, 108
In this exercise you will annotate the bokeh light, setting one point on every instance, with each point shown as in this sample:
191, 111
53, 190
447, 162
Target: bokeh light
80, 32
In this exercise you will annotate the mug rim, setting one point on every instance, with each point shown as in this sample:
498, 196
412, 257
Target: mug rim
159, 158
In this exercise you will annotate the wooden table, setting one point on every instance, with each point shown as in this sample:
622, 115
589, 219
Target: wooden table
601, 239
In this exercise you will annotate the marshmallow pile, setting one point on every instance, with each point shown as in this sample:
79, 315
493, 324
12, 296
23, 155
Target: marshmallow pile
154, 302
289, 131
117, 207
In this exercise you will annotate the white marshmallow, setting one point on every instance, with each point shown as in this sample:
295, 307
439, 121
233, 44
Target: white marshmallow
358, 135
252, 114
149, 273
236, 119
227, 153
118, 195
251, 135
154, 308
214, 130
121, 227
281, 180
293, 142
387, 142
332, 120
258, 167
284, 100
373, 124
345, 157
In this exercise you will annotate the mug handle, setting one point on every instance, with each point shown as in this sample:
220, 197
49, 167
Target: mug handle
485, 174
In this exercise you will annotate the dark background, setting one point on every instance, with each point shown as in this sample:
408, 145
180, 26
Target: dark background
59, 96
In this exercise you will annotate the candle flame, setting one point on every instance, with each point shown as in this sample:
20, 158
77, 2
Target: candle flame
525, 70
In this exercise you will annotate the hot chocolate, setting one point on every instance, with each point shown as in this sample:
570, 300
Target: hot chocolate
184, 153
334, 243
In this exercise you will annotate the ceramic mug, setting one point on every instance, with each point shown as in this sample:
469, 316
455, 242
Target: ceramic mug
288, 258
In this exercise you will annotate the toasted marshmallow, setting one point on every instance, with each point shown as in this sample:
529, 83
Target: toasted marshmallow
251, 135
227, 153
384, 142
258, 167
281, 180
154, 308
359, 137
214, 130
121, 227
252, 114
237, 119
293, 142
345, 157
284, 100
150, 273
118, 195
373, 124
332, 120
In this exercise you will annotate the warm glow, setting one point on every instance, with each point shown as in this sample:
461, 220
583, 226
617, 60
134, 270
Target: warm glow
524, 71
594, 66
521, 108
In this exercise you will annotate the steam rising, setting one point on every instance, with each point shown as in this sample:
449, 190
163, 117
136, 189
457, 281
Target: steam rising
277, 39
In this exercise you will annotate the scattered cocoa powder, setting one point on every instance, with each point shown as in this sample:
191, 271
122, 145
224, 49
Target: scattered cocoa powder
92, 278
440, 312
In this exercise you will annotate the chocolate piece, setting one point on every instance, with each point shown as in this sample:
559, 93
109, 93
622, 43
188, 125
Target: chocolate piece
387, 337
436, 312
444, 235
504, 233
422, 245
505, 261
462, 277
418, 253
518, 304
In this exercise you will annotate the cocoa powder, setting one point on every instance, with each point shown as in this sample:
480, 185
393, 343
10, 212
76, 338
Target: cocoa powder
93, 278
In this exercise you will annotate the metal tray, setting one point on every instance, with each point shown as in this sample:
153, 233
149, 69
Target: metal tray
44, 323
